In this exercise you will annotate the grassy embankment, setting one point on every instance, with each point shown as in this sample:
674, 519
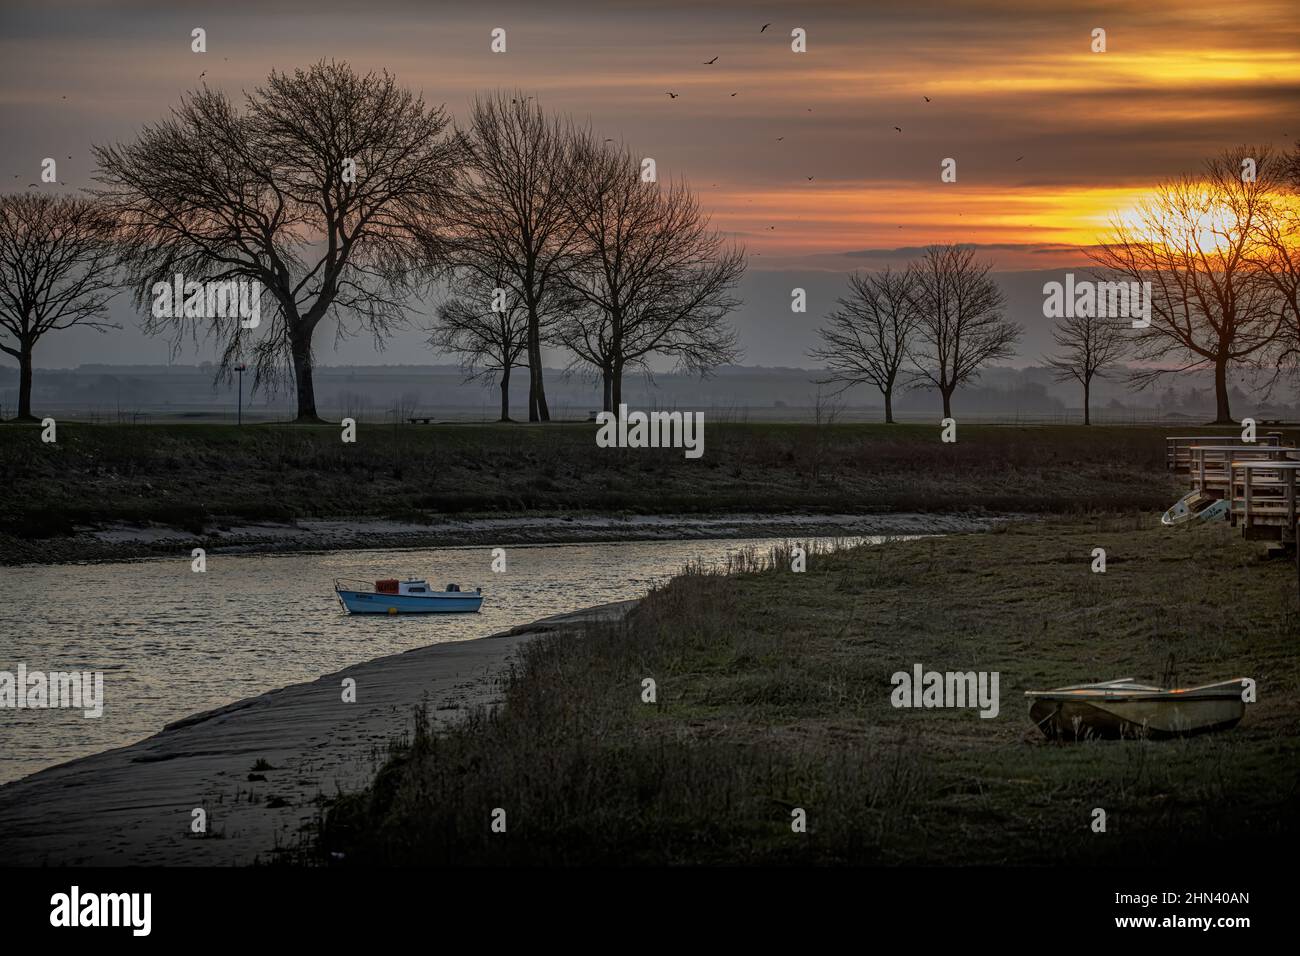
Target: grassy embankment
773, 693
201, 477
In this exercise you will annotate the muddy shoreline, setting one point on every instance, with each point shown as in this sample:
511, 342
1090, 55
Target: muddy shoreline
260, 769
122, 542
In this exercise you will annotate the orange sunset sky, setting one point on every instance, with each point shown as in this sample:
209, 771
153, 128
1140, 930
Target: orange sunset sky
1178, 80
1050, 138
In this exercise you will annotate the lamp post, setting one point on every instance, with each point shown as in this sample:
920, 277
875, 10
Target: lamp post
240, 369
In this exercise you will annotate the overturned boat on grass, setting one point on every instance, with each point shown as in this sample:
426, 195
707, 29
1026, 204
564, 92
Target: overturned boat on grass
1122, 708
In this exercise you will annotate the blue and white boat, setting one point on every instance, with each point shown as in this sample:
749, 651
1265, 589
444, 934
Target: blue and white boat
392, 596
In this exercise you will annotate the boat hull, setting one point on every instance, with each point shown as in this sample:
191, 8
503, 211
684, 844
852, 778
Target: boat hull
1196, 506
1078, 719
438, 602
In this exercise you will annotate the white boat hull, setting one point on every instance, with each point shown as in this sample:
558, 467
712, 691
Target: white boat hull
1123, 709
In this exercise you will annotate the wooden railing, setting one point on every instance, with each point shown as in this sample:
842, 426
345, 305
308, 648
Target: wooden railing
1263, 498
1211, 465
1178, 448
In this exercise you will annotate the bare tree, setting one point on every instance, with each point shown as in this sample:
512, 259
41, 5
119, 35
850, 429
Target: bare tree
868, 337
326, 189
826, 411
487, 326
1089, 346
56, 271
404, 406
1196, 240
513, 220
653, 277
1278, 254
961, 327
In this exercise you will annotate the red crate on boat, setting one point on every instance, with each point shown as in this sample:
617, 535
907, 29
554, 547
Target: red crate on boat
386, 586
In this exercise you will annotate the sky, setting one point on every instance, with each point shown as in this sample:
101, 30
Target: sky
804, 165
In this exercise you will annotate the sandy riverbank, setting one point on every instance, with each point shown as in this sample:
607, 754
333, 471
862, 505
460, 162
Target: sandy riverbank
126, 542
133, 806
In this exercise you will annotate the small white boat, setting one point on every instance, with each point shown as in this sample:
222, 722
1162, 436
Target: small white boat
414, 596
1196, 506
1121, 708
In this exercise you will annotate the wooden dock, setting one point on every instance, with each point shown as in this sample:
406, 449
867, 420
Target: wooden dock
1263, 498
1178, 448
1211, 465
1256, 480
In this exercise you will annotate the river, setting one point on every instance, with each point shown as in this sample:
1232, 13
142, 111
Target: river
172, 642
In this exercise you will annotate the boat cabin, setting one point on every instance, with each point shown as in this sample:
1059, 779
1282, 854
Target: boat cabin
414, 586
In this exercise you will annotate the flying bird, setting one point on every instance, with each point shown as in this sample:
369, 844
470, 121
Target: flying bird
779, 138
203, 74
899, 128
810, 179
64, 97
733, 94
926, 98
711, 62
765, 26
674, 95
1019, 158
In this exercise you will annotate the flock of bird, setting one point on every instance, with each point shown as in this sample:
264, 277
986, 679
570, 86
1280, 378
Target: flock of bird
669, 93
673, 96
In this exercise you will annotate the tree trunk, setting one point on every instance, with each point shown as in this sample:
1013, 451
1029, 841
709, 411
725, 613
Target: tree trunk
537, 408
300, 345
532, 374
505, 395
25, 382
1224, 414
947, 402
607, 381
1087, 388
543, 410
616, 397
889, 405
